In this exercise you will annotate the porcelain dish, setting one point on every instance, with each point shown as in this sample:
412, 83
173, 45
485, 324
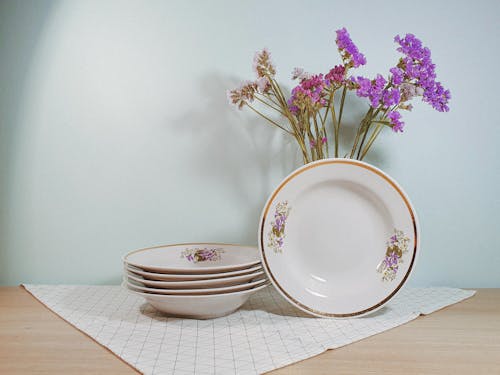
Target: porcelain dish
193, 258
190, 277
338, 238
199, 306
205, 291
202, 280
208, 283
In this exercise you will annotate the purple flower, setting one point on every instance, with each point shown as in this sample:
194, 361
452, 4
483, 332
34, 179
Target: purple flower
364, 86
397, 124
279, 221
418, 69
348, 49
390, 97
372, 89
438, 97
397, 75
391, 261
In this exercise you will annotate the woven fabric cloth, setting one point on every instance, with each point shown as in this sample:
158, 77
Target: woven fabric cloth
265, 334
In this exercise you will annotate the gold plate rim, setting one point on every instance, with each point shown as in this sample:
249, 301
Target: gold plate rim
370, 168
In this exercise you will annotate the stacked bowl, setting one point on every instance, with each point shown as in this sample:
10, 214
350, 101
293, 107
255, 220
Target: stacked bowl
202, 280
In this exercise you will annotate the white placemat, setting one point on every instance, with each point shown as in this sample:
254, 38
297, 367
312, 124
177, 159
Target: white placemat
267, 333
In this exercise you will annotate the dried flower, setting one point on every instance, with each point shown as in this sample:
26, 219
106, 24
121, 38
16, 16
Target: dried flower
308, 95
419, 69
390, 97
300, 74
409, 91
397, 124
335, 75
263, 84
397, 75
374, 90
314, 102
348, 49
242, 95
262, 64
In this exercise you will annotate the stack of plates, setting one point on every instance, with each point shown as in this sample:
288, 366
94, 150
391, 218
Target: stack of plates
200, 281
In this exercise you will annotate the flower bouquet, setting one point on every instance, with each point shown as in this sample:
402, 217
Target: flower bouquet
313, 116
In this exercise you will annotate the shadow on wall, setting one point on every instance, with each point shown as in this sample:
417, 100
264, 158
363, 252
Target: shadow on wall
254, 157
21, 25
354, 110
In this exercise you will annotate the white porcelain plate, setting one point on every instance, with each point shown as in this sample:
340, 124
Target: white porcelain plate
338, 238
193, 284
191, 276
201, 291
200, 306
193, 258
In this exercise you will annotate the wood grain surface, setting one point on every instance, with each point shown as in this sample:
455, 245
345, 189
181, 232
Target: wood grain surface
460, 339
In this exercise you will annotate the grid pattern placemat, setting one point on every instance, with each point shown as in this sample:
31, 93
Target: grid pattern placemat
265, 334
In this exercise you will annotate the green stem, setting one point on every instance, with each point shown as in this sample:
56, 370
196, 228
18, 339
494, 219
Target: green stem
374, 135
360, 128
341, 110
330, 99
319, 145
269, 105
363, 139
300, 136
339, 122
269, 96
335, 129
368, 125
268, 119
277, 90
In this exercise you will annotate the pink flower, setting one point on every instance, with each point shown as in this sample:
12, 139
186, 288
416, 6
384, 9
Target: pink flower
308, 94
335, 74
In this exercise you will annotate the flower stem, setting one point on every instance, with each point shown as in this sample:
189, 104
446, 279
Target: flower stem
373, 136
269, 105
268, 119
319, 145
363, 123
339, 122
368, 125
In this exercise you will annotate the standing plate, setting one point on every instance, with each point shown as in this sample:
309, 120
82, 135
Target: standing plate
338, 238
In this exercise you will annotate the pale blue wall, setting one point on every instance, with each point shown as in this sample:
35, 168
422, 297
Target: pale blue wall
115, 132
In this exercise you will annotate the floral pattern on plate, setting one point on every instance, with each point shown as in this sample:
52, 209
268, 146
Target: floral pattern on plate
276, 235
397, 246
196, 255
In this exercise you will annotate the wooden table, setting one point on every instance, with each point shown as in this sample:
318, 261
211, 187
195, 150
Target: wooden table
460, 339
